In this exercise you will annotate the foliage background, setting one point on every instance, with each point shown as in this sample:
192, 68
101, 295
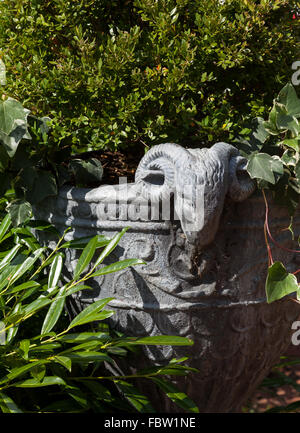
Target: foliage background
118, 74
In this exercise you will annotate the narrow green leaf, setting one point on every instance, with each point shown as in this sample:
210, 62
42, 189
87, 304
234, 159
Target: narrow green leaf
64, 361
24, 346
54, 311
84, 357
178, 397
110, 246
86, 257
279, 282
91, 310
80, 243
34, 383
38, 372
157, 340
25, 286
19, 371
36, 305
138, 400
9, 256
5, 225
94, 317
27, 264
20, 211
55, 271
84, 337
118, 266
7, 405
11, 333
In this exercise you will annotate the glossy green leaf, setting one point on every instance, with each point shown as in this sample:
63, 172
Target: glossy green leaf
12, 331
10, 111
86, 171
54, 311
19, 371
85, 257
118, 266
88, 356
279, 282
27, 264
81, 243
55, 271
178, 397
44, 185
23, 287
9, 256
7, 405
157, 340
260, 167
24, 346
138, 400
90, 311
34, 383
64, 361
293, 143
93, 317
84, 337
110, 246
38, 372
19, 211
288, 97
35, 306
5, 225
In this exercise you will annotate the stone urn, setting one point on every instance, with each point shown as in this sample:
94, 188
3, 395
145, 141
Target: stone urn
197, 221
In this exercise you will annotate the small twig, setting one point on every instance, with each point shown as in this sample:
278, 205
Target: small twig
269, 233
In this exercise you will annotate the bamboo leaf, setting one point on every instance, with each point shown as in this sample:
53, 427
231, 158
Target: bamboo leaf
35, 383
110, 246
178, 397
80, 243
138, 400
55, 271
91, 310
27, 264
54, 311
5, 225
19, 371
171, 340
7, 405
118, 266
85, 258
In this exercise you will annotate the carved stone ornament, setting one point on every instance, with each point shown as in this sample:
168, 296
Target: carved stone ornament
205, 268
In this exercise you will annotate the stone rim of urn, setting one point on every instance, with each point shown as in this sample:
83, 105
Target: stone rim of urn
205, 267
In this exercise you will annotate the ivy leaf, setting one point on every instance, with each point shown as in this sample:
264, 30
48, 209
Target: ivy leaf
86, 172
285, 122
261, 166
288, 97
13, 121
279, 282
12, 140
44, 186
20, 211
293, 143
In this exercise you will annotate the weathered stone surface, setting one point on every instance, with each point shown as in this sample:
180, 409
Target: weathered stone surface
206, 284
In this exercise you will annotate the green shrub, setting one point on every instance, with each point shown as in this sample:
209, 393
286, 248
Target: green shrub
128, 73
